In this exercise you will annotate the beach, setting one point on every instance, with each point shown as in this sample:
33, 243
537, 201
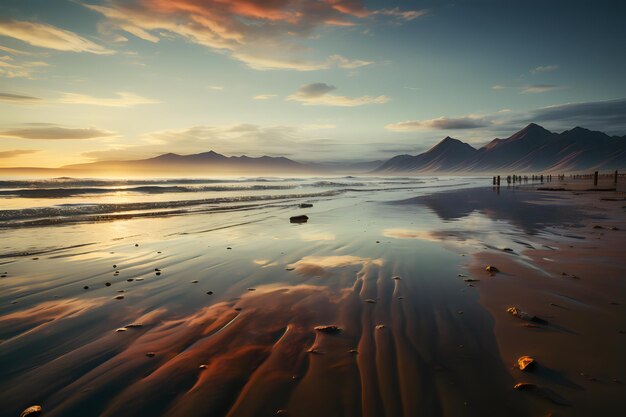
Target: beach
184, 298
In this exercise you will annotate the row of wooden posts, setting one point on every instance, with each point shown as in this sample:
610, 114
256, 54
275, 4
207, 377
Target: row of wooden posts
548, 178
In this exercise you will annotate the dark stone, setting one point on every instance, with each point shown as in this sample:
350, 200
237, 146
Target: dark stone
299, 219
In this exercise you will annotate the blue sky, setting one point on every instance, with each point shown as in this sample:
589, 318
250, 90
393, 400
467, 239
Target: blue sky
310, 80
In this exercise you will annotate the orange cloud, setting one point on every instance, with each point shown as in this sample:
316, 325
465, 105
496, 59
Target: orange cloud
261, 34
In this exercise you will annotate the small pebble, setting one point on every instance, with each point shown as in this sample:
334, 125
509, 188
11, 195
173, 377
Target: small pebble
209, 292
33, 410
150, 354
119, 297
86, 287
108, 284
195, 281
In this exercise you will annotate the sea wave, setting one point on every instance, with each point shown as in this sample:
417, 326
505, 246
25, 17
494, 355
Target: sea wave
144, 189
74, 213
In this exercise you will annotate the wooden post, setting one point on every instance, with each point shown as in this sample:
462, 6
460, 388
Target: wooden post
498, 180
595, 178
494, 180
615, 176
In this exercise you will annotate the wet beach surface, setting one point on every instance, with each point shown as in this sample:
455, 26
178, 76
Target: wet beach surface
213, 310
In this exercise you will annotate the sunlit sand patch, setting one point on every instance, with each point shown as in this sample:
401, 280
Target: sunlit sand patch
207, 358
317, 265
264, 262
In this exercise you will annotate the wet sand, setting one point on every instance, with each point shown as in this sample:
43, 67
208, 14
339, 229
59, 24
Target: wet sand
219, 310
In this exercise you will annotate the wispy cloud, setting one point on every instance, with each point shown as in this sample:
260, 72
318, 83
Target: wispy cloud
10, 68
18, 98
544, 68
51, 37
124, 99
441, 123
318, 94
54, 132
264, 96
262, 62
215, 87
13, 51
540, 88
16, 152
406, 15
529, 89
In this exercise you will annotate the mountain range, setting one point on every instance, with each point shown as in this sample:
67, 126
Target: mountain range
199, 163
531, 149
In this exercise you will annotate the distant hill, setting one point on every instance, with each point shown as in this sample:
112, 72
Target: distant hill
531, 149
202, 163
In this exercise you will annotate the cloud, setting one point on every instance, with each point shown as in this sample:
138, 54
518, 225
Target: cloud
318, 94
544, 68
13, 51
441, 123
262, 34
609, 115
529, 89
125, 99
540, 88
263, 62
264, 96
406, 15
10, 68
18, 98
342, 62
50, 37
16, 152
215, 87
54, 132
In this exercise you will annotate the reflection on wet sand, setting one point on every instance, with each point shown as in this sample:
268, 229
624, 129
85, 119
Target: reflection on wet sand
318, 265
528, 210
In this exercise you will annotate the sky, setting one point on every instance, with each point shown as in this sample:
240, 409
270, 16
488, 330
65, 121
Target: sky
316, 80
